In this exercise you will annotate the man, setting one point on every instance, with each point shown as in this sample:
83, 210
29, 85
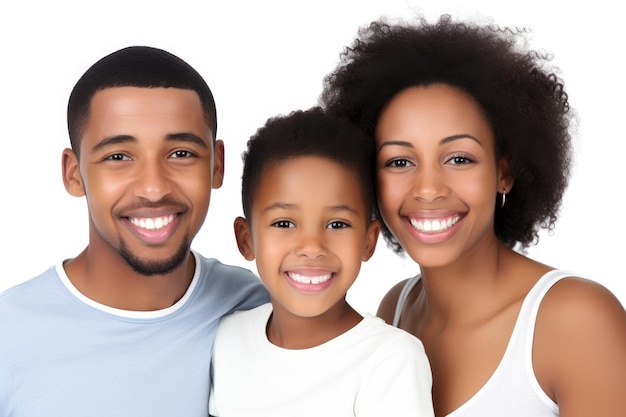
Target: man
127, 326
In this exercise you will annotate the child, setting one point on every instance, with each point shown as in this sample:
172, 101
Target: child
308, 198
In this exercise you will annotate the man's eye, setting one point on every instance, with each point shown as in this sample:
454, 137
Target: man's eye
181, 154
118, 157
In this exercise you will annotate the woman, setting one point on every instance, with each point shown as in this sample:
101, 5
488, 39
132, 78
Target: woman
473, 157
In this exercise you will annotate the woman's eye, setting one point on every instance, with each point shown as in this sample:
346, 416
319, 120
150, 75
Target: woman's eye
460, 160
283, 224
398, 163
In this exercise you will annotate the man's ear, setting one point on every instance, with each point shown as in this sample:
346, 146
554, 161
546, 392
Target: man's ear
244, 238
218, 164
71, 174
371, 238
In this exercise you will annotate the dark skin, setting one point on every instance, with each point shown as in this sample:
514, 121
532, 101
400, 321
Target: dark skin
465, 350
308, 219
147, 167
472, 286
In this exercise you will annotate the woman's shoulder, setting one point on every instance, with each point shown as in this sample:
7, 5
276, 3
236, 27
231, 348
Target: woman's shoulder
579, 301
389, 303
579, 346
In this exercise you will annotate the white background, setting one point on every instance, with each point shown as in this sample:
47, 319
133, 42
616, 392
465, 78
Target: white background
263, 58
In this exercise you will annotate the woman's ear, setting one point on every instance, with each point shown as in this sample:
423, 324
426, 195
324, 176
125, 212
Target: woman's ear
244, 238
72, 179
505, 179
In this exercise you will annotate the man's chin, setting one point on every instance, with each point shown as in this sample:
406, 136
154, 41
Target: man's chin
155, 267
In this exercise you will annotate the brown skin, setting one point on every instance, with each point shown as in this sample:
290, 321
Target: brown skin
146, 153
472, 286
309, 218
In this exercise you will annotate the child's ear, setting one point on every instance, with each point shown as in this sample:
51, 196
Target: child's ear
71, 174
371, 238
244, 238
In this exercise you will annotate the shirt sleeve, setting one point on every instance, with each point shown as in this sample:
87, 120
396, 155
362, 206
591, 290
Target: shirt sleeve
7, 405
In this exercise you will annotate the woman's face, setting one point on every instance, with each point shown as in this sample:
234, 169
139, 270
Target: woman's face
437, 174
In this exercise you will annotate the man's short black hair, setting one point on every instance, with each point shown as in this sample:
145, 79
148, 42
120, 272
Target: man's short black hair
135, 66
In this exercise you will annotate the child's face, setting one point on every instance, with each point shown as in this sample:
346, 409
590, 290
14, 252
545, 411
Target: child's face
309, 233
437, 174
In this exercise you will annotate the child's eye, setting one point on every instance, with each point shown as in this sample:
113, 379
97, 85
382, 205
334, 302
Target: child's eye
283, 224
337, 224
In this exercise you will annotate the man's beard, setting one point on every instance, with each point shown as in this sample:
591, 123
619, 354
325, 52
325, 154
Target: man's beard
150, 268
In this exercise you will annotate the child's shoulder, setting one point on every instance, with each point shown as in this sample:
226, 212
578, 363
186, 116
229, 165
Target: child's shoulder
390, 337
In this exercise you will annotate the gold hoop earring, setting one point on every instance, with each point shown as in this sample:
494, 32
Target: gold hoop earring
503, 198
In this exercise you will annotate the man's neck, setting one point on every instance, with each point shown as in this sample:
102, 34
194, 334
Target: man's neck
114, 283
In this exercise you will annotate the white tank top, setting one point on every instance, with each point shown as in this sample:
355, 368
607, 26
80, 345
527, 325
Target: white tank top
512, 390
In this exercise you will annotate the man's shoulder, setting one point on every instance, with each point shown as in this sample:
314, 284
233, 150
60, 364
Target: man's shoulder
230, 284
213, 268
30, 289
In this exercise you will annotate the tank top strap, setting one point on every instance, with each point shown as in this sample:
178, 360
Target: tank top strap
404, 294
527, 318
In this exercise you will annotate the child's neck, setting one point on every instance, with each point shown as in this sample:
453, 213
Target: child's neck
289, 331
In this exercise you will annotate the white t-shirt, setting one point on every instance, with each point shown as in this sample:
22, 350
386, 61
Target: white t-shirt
372, 370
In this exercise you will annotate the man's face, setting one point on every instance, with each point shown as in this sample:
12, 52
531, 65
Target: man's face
147, 166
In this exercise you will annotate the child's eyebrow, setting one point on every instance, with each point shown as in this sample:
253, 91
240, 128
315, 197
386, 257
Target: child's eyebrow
342, 207
289, 206
279, 205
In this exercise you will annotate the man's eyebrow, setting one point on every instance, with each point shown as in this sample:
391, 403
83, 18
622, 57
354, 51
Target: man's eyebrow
173, 137
113, 140
443, 141
187, 137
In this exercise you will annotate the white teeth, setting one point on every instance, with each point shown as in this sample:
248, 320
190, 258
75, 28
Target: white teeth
435, 226
307, 279
152, 223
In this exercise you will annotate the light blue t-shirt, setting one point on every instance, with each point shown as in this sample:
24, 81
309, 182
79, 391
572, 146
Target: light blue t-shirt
64, 355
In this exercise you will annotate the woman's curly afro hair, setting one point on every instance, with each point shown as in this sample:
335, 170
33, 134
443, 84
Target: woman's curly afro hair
523, 100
